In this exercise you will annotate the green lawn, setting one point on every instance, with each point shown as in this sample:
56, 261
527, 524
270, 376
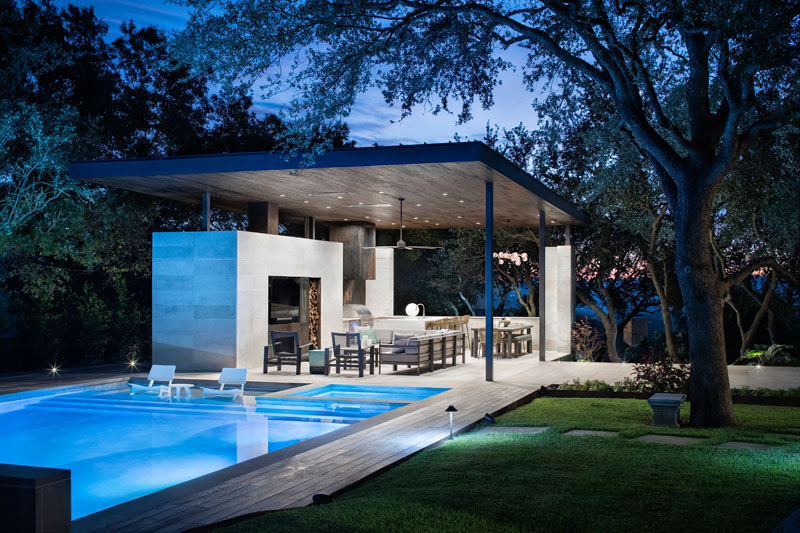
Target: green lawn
557, 482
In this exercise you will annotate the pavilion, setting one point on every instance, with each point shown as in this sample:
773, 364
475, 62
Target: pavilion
211, 290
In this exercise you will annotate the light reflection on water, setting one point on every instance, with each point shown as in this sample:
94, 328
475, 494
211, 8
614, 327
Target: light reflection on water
120, 447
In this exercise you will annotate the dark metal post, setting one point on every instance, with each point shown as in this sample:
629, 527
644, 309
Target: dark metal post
542, 285
206, 211
489, 281
567, 235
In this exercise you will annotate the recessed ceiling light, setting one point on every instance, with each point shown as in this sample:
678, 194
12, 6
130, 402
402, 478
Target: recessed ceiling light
346, 219
459, 216
552, 221
427, 220
366, 217
305, 201
377, 220
404, 225
419, 205
282, 195
436, 224
360, 203
416, 218
380, 192
340, 197
478, 223
461, 201
310, 194
392, 223
444, 194
327, 207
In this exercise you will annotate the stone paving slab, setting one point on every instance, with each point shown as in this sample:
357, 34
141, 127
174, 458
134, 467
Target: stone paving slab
513, 430
738, 445
784, 435
591, 433
669, 439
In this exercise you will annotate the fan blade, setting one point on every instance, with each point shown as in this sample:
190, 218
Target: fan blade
425, 247
378, 247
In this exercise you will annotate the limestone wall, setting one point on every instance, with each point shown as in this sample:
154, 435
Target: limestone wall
559, 297
380, 291
210, 293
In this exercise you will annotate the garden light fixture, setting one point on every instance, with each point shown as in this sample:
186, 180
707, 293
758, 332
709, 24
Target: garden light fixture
450, 409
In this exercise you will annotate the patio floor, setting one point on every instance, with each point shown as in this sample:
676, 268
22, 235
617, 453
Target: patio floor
331, 463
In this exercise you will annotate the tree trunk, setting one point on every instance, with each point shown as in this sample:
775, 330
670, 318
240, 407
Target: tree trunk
763, 303
662, 287
608, 319
703, 293
610, 327
666, 316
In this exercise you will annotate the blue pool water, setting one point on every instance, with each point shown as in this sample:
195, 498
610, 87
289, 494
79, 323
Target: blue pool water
403, 394
120, 447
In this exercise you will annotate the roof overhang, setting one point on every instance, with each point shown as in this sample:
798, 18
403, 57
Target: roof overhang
443, 184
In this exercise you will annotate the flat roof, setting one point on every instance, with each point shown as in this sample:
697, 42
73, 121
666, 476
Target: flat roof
443, 185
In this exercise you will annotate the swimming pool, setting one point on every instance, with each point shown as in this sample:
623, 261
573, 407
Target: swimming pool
120, 447
403, 394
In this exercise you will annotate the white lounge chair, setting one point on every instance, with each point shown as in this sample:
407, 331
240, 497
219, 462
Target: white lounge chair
158, 373
228, 376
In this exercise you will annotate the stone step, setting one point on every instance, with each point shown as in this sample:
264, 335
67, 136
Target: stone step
591, 433
670, 439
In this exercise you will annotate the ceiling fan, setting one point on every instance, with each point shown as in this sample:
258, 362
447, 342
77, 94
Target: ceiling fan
401, 244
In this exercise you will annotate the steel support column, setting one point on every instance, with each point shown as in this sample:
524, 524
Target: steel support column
489, 225
206, 211
542, 285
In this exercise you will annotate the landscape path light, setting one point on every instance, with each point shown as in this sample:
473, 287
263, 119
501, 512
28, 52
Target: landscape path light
450, 409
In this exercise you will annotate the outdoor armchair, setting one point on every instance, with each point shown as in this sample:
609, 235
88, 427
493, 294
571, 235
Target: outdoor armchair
286, 348
349, 353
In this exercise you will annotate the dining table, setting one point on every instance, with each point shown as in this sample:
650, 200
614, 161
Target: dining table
504, 336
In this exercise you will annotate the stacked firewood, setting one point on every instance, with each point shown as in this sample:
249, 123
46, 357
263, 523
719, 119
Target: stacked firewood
314, 313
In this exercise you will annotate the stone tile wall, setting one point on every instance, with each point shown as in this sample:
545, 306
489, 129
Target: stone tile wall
210, 294
380, 291
559, 297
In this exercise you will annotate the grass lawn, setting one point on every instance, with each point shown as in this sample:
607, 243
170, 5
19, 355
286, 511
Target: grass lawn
557, 482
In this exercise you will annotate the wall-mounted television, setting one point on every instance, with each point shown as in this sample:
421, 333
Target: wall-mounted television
284, 300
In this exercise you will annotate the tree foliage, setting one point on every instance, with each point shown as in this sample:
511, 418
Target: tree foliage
694, 84
75, 263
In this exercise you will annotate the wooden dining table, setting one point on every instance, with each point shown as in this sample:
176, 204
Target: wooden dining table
504, 336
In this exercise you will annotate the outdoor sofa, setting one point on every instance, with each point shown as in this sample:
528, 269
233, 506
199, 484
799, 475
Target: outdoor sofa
418, 348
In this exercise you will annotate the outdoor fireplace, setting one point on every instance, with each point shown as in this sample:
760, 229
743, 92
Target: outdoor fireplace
294, 305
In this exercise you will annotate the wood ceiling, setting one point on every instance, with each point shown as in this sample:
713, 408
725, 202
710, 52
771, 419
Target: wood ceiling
444, 185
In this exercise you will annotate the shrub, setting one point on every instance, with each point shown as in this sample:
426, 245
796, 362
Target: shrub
587, 342
645, 349
658, 374
589, 385
762, 355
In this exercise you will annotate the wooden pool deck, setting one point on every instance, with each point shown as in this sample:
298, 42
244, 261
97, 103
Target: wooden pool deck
331, 463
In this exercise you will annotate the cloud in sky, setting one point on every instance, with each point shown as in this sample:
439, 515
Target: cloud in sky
372, 120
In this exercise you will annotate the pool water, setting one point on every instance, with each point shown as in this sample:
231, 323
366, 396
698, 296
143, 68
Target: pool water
403, 394
120, 447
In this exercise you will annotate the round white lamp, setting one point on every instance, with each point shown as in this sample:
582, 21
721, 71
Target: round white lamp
412, 309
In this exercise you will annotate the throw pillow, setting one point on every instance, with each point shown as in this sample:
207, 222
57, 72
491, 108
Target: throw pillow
400, 341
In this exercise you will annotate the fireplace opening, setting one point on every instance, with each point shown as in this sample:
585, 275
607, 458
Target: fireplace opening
295, 305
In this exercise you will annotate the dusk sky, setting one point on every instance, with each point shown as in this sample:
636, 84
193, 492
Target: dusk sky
371, 119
